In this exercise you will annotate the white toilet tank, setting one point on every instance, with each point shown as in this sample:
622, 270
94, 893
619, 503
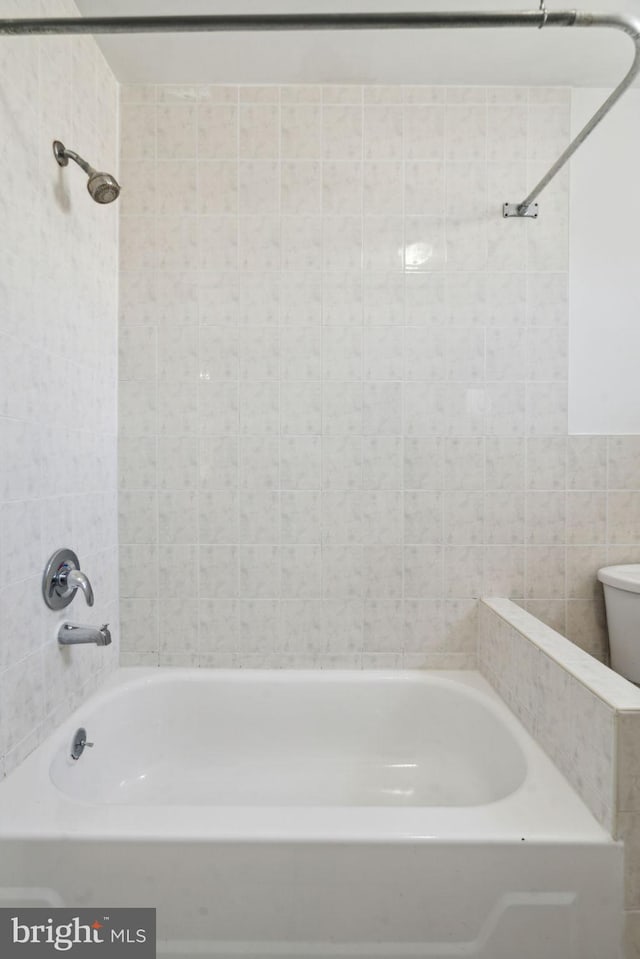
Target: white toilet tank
622, 599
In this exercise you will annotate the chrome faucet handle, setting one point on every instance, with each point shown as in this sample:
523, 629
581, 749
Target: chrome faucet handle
74, 579
62, 578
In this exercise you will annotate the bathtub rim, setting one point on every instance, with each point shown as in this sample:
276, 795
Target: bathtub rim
544, 808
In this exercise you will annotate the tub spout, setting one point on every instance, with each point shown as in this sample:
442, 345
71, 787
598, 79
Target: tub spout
71, 635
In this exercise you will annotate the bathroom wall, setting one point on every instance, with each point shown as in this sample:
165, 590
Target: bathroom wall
58, 379
605, 298
343, 378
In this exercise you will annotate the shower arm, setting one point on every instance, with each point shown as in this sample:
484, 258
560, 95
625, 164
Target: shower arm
365, 21
62, 153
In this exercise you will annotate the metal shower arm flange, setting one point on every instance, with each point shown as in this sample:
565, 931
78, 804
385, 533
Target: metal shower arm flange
364, 21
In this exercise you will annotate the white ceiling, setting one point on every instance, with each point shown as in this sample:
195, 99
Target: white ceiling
553, 56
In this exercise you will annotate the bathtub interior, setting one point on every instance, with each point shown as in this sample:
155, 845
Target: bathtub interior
259, 739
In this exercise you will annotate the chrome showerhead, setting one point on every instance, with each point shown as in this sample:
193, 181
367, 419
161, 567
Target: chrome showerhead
102, 187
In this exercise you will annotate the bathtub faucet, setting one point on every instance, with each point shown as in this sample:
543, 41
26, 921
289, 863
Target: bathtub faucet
63, 578
71, 635
75, 579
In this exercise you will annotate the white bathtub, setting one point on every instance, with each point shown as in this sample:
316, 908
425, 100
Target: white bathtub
314, 814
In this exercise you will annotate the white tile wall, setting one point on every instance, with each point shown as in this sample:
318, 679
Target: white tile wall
344, 377
58, 380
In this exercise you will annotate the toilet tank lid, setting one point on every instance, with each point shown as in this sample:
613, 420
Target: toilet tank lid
623, 577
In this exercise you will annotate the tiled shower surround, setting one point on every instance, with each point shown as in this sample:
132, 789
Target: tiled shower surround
343, 378
58, 373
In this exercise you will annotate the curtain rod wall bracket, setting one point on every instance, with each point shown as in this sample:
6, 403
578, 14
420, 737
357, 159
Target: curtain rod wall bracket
365, 21
518, 209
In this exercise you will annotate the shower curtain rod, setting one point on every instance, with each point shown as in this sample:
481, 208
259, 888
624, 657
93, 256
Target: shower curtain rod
365, 21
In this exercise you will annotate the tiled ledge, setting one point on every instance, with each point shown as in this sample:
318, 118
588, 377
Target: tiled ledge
585, 716
608, 686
